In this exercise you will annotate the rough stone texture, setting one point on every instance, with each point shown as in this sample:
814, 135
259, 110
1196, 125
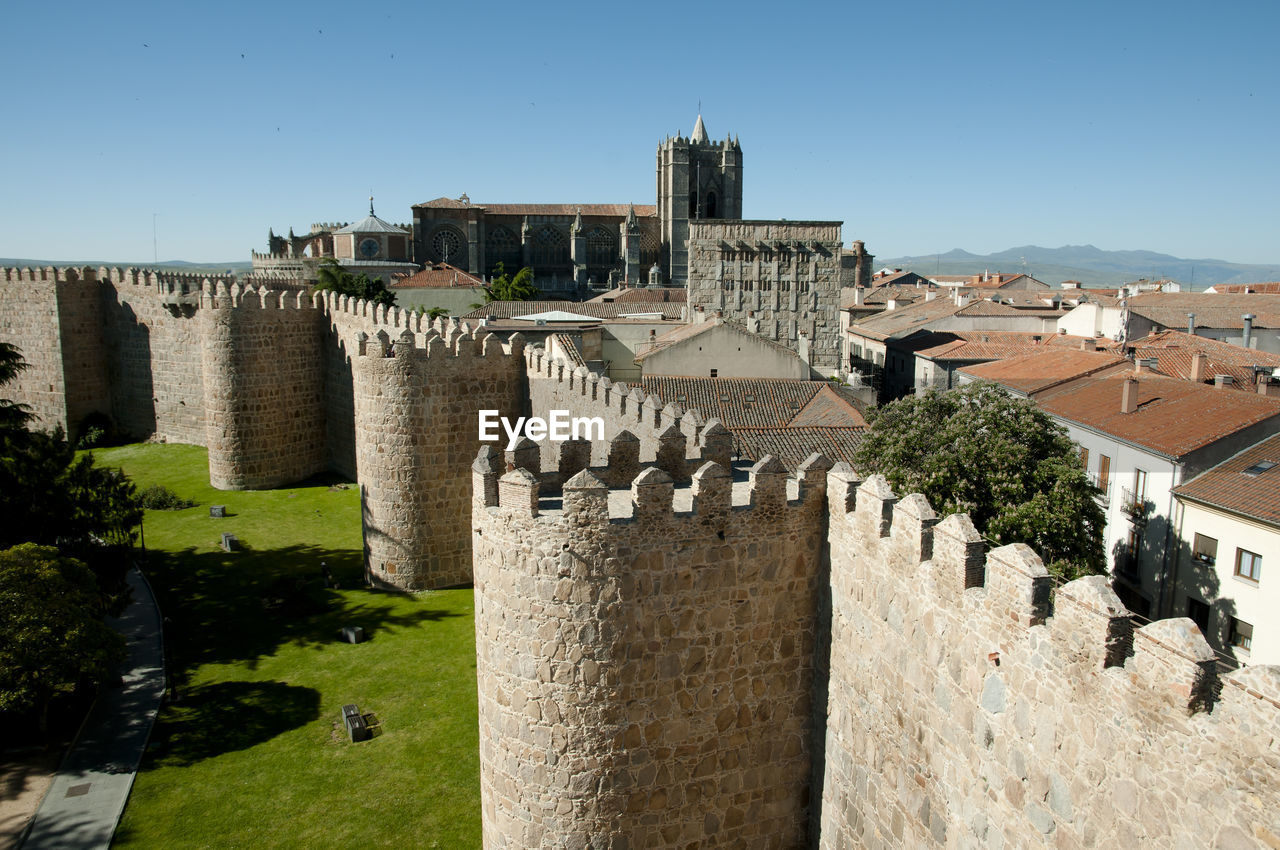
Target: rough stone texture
263, 390
645, 674
779, 278
416, 432
966, 717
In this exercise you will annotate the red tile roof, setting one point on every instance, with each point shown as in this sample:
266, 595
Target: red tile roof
693, 329
640, 294
737, 402
613, 210
1034, 373
978, 346
1227, 486
1174, 351
793, 446
828, 408
1269, 287
437, 275
1170, 309
1173, 417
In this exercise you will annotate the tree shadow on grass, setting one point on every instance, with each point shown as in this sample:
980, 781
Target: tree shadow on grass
240, 606
228, 716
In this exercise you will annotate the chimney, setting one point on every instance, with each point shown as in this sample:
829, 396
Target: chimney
1223, 381
1090, 344
858, 293
1198, 361
891, 305
1248, 329
1191, 324
1267, 385
929, 295
1129, 396
1144, 364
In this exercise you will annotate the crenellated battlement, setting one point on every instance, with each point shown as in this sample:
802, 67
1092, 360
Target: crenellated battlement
1045, 693
232, 295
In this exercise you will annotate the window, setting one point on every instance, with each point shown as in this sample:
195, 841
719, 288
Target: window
600, 248
1104, 475
1248, 565
550, 247
1140, 483
1241, 634
1204, 550
715, 373
1198, 612
1084, 458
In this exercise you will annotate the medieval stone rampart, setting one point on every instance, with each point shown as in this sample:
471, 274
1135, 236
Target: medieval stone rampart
417, 392
262, 385
645, 655
973, 704
555, 384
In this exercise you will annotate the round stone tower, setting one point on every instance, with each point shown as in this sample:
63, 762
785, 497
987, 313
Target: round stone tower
263, 392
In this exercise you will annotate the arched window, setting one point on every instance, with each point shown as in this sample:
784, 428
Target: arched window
693, 203
550, 247
600, 247
502, 247
710, 207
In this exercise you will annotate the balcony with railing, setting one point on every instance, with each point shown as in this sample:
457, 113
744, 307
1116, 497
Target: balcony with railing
1135, 506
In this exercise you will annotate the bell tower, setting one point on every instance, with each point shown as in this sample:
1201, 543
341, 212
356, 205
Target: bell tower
697, 179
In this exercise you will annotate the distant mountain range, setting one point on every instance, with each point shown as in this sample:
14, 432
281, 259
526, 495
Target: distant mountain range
1087, 264
239, 268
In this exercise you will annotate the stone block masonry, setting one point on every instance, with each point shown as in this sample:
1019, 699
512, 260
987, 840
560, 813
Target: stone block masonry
417, 392
645, 656
780, 279
974, 705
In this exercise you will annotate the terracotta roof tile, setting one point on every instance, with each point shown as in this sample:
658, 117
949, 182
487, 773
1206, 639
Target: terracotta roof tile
978, 346
793, 446
1175, 350
1268, 287
437, 275
737, 402
1170, 309
693, 329
612, 210
1034, 373
1173, 417
1229, 487
641, 294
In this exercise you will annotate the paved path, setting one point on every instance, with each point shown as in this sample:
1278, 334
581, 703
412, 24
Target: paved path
85, 800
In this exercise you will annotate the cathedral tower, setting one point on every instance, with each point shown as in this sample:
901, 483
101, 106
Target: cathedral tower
697, 179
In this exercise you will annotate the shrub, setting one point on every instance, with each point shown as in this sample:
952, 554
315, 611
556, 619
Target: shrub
161, 498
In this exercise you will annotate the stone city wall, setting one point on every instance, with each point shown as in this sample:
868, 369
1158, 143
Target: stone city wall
264, 388
29, 320
785, 275
555, 384
972, 704
645, 674
417, 390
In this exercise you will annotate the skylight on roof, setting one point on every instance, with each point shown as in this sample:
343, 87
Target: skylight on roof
1259, 468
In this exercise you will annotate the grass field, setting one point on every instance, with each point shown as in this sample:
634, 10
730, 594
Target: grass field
252, 753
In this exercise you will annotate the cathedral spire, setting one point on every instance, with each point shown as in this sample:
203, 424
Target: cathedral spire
699, 131
370, 203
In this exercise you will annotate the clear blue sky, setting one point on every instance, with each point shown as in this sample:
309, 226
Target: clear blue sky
922, 126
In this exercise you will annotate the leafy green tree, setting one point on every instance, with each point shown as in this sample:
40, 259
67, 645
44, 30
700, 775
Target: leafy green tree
1001, 460
433, 313
330, 275
504, 287
13, 416
54, 637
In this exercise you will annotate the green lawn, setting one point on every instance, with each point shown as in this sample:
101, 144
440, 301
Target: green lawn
252, 754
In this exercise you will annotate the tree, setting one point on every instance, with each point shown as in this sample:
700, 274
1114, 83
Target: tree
503, 287
13, 416
330, 275
433, 313
54, 637
1002, 460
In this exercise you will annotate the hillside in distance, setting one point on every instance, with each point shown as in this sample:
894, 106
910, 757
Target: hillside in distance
238, 267
1087, 264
